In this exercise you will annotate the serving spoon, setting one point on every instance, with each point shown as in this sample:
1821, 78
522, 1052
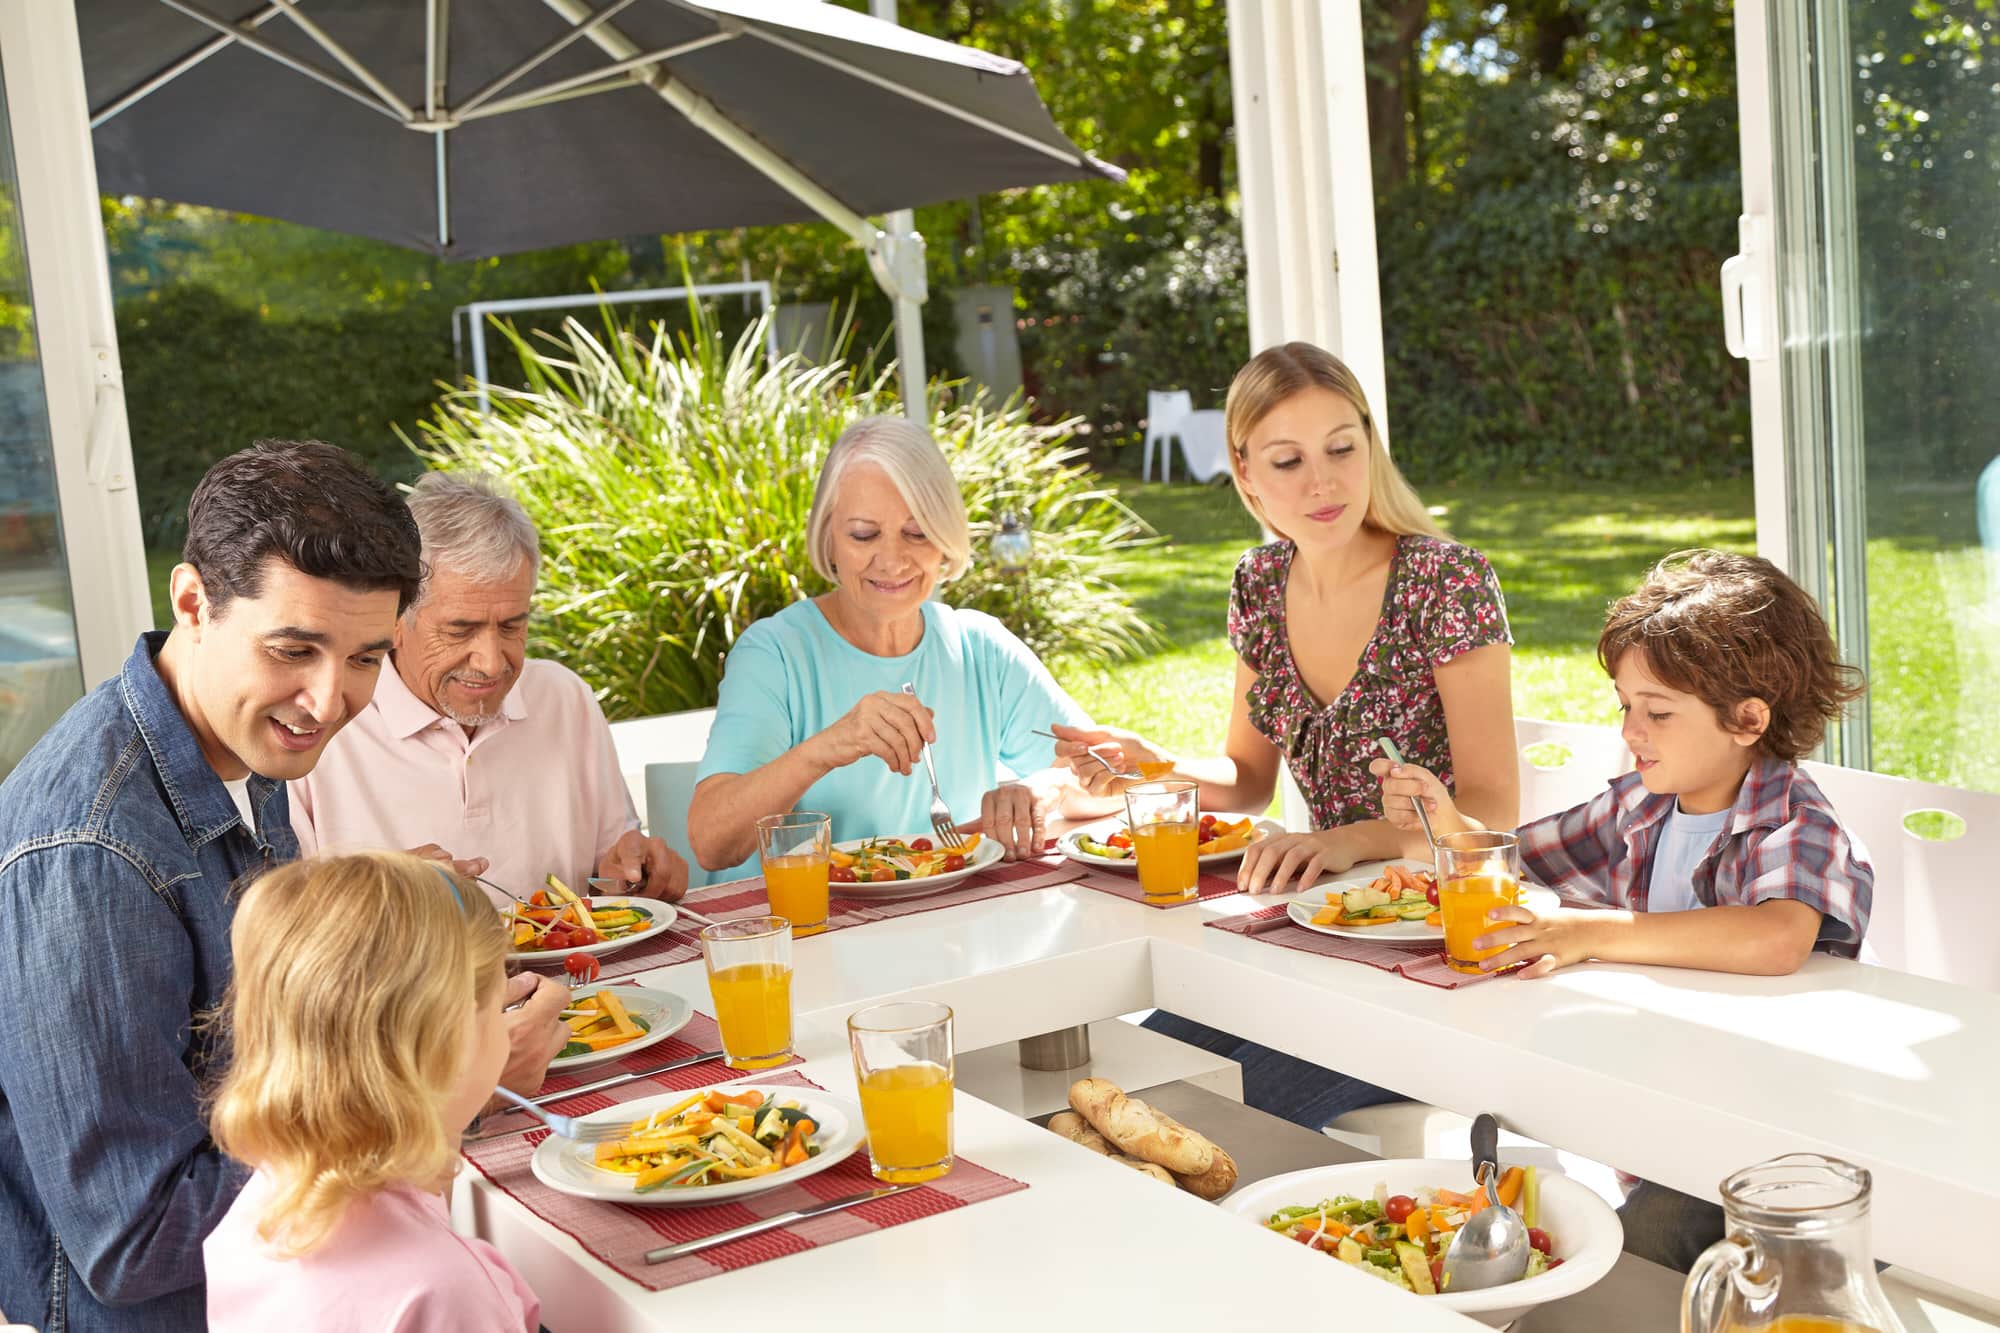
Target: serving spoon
1491, 1249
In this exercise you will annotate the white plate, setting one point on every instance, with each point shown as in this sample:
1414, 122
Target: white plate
1066, 844
1587, 1234
566, 1165
663, 915
1533, 896
984, 855
664, 1012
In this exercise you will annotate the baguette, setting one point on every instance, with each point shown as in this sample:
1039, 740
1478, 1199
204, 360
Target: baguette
1136, 1129
1077, 1130
1213, 1183
1159, 1173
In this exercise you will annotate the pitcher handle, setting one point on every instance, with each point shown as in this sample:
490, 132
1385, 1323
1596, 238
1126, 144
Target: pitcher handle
1734, 1266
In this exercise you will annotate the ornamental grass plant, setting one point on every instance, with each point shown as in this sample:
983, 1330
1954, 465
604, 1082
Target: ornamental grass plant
671, 477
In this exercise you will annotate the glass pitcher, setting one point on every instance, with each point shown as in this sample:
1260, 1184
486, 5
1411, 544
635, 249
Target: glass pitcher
1795, 1258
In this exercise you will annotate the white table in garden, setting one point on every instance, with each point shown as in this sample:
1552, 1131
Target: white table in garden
1681, 1077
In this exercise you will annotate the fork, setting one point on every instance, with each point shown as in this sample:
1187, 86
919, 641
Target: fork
569, 1127
941, 820
1103, 763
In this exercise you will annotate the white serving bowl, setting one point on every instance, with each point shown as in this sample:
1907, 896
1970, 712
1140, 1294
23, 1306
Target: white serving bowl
1587, 1233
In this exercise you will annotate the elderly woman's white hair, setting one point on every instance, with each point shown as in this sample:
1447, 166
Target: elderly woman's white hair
472, 524
904, 450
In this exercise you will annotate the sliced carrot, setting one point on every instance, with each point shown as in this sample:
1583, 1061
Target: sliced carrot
1418, 1224
1434, 919
1510, 1185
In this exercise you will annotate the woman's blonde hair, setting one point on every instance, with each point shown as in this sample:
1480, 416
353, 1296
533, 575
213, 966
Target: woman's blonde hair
904, 450
1277, 373
347, 1021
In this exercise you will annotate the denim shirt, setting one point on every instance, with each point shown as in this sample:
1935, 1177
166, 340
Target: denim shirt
120, 851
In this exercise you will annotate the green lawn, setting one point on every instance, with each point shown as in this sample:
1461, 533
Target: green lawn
1562, 556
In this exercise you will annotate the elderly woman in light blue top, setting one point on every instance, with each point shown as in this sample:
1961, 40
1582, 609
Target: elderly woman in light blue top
812, 714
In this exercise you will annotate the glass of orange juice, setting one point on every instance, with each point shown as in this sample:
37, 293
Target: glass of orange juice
903, 1064
1477, 871
797, 850
750, 976
1165, 822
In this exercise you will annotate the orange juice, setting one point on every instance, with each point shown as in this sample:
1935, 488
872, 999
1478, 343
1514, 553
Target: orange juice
1465, 901
1805, 1323
796, 886
1166, 856
753, 1007
1156, 768
907, 1109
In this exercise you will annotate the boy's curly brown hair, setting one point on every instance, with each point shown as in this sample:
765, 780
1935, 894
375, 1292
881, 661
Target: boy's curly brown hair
1726, 628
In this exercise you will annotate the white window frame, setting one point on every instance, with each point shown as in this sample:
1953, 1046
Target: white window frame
70, 282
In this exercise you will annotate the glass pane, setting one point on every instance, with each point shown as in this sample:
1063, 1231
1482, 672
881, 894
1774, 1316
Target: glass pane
1925, 108
40, 675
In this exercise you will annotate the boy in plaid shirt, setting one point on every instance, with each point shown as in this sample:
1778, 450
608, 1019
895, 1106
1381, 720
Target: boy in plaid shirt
1727, 676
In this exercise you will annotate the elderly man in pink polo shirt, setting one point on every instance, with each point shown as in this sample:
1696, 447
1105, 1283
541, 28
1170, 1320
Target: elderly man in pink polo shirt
470, 748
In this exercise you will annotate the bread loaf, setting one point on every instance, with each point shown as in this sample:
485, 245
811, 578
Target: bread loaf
1077, 1130
1212, 1184
1135, 1128
1159, 1173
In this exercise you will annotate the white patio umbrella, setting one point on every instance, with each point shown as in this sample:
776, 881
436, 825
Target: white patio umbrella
469, 128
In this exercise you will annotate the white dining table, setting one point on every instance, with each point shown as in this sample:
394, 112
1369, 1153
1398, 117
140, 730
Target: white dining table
1677, 1076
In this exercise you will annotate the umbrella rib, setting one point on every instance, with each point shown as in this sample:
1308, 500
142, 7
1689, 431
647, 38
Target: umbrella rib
251, 41
501, 83
404, 111
140, 91
1067, 154
611, 76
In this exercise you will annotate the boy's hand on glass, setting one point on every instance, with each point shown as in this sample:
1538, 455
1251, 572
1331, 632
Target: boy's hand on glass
1545, 941
1401, 782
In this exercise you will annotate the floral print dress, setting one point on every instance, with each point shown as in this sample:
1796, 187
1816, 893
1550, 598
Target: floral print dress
1441, 602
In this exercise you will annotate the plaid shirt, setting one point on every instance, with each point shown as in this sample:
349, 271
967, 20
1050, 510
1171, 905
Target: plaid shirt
1783, 841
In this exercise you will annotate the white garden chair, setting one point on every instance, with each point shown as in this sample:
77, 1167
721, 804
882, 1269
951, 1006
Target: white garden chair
1165, 410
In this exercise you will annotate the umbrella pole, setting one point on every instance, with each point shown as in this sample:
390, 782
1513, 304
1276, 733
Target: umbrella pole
909, 313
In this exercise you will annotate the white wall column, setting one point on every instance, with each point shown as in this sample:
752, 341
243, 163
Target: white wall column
76, 336
1308, 195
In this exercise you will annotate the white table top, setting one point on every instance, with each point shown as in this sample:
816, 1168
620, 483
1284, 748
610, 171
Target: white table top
1679, 1076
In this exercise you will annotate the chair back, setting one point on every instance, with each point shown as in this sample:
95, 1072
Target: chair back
1165, 408
1565, 763
1934, 849
669, 789
665, 738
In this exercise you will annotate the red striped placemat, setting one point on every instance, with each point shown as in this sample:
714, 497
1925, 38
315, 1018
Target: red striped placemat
619, 1235
1418, 964
1125, 884
745, 897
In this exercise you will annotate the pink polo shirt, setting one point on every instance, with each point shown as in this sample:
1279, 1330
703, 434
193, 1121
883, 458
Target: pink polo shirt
535, 791
392, 1265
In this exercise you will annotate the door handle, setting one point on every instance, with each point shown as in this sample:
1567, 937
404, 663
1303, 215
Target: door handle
1747, 320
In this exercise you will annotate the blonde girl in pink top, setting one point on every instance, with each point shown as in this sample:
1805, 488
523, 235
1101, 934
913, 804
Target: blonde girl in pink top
366, 1032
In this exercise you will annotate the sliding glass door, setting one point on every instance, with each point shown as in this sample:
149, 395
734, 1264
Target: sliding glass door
1868, 302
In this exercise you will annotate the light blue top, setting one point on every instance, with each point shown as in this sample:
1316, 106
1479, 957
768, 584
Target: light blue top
1684, 840
791, 676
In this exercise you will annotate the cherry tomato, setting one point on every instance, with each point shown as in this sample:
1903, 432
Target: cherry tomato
1432, 894
582, 967
1398, 1207
1207, 823
954, 862
1539, 1239
920, 844
1555, 1263
841, 874
881, 875
1437, 1273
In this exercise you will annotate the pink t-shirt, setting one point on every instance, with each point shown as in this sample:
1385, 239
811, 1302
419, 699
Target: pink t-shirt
537, 791
392, 1265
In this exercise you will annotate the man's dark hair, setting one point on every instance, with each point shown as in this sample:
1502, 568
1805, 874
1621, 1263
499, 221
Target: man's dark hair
311, 505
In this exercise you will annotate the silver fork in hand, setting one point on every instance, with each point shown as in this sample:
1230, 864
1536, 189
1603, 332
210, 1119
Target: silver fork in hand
941, 820
568, 1127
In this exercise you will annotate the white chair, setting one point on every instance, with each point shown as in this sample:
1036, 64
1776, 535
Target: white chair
1165, 410
667, 738
1565, 763
1204, 444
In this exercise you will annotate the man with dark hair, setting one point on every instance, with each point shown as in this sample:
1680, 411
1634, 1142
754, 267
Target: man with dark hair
121, 835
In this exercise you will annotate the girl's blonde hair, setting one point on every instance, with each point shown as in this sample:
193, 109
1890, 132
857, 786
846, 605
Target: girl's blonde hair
906, 451
355, 981
1277, 373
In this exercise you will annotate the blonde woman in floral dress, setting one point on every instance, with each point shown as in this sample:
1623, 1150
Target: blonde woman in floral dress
1362, 620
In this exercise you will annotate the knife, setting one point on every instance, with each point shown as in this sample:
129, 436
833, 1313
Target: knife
615, 1081
665, 1253
1283, 918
